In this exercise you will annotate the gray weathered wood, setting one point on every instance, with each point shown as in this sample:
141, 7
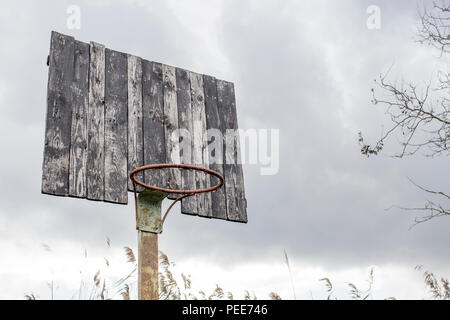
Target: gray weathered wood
78, 145
109, 113
153, 121
215, 145
188, 205
199, 151
116, 126
55, 170
95, 166
234, 180
171, 126
135, 136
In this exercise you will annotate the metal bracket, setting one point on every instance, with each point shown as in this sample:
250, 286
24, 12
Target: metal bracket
148, 211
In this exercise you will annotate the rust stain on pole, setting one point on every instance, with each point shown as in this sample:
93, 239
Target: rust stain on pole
148, 224
148, 266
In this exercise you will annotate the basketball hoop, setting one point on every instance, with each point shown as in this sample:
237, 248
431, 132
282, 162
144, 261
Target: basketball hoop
163, 192
132, 116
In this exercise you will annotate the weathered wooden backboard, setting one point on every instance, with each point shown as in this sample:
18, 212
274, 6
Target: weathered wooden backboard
109, 112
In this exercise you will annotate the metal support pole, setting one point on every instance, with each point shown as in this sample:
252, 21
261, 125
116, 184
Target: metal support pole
148, 224
148, 266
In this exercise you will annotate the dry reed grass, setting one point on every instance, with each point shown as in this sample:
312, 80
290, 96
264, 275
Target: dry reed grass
103, 288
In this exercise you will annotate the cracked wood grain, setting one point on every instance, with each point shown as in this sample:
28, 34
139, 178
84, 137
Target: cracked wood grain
55, 170
116, 126
78, 144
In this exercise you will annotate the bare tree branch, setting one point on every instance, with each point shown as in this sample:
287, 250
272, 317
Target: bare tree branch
418, 120
430, 209
434, 26
420, 115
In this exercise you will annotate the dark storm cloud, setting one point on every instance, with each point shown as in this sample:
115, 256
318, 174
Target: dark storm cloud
305, 68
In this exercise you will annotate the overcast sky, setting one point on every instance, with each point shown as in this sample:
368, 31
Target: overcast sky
303, 67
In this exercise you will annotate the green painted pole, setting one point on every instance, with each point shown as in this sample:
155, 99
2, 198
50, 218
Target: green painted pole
148, 224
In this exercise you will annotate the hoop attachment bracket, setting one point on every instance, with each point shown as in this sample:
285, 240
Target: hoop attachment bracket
149, 201
148, 211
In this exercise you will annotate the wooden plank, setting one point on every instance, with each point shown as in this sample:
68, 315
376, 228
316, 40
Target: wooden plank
55, 170
216, 130
116, 126
78, 144
153, 121
95, 167
234, 179
199, 152
185, 124
135, 133
171, 126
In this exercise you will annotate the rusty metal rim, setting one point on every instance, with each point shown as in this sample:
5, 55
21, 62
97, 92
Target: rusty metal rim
185, 193
179, 166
